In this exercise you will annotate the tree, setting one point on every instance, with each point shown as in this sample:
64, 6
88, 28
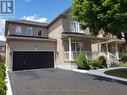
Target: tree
109, 15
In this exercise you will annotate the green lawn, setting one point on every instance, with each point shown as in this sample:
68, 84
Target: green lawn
123, 65
118, 72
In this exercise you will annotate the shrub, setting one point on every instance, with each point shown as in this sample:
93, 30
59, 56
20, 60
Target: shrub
2, 70
124, 58
82, 62
2, 66
94, 64
1, 75
2, 80
2, 87
103, 60
2, 84
2, 91
100, 62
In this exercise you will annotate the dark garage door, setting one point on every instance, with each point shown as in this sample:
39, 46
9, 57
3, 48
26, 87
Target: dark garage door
32, 60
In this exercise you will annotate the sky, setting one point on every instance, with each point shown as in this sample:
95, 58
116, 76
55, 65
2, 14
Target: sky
35, 10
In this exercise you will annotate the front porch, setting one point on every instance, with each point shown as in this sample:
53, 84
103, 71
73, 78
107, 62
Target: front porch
74, 44
114, 49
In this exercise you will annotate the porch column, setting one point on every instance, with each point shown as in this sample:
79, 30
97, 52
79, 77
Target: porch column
108, 59
107, 49
117, 54
98, 46
70, 50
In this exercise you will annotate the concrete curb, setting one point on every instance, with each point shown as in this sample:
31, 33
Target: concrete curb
8, 85
101, 73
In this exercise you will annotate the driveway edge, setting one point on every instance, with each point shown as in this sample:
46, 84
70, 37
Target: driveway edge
8, 85
100, 73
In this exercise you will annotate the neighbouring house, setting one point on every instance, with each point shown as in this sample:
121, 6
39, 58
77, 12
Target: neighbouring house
2, 51
34, 45
114, 48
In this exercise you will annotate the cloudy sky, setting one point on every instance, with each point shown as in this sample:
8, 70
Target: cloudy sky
35, 10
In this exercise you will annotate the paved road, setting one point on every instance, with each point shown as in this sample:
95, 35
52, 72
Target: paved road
62, 82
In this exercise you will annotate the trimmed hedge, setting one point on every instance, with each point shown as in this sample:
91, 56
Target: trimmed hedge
82, 62
2, 79
103, 61
124, 58
100, 62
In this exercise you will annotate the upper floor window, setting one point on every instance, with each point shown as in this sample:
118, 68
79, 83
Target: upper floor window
29, 31
75, 27
18, 30
39, 32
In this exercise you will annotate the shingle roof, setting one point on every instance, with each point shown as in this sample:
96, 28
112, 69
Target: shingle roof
28, 22
40, 23
59, 16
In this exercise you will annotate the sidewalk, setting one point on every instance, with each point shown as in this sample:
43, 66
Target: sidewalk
100, 72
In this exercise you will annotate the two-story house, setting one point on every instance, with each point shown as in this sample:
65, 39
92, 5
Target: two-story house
33, 45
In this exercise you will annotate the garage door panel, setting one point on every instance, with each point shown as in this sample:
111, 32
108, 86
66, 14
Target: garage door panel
32, 60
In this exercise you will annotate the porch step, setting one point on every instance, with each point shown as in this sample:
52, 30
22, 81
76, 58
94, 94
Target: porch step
114, 63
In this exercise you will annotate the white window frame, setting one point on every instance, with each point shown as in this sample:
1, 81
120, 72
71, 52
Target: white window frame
28, 31
38, 31
18, 30
75, 27
81, 43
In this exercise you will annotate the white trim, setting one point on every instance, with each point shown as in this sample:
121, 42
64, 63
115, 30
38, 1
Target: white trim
70, 50
31, 31
42, 33
31, 38
75, 27
18, 30
98, 45
117, 54
80, 44
108, 61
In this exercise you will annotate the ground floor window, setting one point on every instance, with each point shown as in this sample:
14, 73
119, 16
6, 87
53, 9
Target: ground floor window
77, 46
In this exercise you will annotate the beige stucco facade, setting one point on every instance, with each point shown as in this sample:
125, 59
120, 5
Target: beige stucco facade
55, 31
12, 27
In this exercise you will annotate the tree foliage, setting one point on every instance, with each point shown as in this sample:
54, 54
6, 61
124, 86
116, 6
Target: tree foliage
109, 15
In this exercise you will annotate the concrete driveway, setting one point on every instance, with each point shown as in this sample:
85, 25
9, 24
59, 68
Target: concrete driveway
62, 82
